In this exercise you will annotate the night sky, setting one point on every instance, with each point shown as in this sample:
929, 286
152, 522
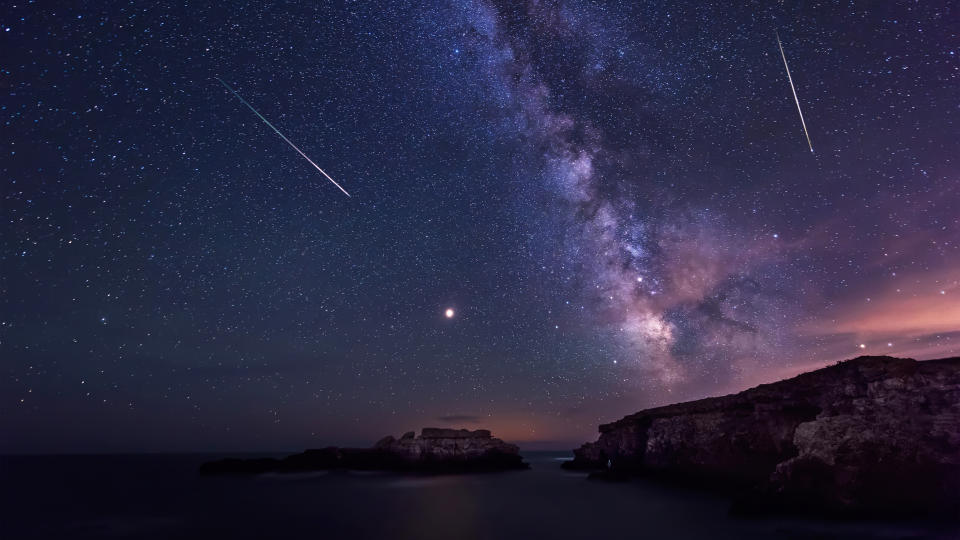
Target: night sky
616, 200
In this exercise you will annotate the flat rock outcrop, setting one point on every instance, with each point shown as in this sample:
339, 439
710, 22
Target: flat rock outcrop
864, 436
435, 450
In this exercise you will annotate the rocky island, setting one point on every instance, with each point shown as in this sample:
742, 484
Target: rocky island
865, 436
435, 450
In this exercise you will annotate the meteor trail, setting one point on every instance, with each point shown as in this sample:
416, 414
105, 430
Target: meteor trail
267, 122
795, 98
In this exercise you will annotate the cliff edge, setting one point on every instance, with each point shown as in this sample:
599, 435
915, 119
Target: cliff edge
874, 434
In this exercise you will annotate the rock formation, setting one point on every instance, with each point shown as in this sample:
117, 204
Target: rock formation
868, 435
435, 450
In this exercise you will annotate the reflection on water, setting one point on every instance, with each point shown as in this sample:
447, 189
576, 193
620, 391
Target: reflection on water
424, 481
161, 496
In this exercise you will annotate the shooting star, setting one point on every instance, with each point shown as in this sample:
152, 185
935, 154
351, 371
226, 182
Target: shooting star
267, 122
795, 98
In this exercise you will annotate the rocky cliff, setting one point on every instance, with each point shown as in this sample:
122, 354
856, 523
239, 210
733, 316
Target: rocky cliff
872, 434
436, 449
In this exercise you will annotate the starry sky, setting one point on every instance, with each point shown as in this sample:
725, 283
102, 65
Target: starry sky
615, 199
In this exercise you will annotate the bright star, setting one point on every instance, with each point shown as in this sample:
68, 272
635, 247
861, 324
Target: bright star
448, 313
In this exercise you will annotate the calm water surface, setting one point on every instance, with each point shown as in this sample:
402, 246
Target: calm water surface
161, 496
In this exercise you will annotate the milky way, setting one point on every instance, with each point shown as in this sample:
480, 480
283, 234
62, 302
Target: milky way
610, 199
671, 288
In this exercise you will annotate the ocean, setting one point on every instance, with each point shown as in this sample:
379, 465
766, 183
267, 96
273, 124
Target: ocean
162, 496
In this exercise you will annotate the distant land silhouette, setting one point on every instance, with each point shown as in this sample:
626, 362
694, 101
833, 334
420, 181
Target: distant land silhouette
435, 450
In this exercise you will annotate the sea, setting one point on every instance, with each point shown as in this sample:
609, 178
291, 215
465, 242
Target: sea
162, 496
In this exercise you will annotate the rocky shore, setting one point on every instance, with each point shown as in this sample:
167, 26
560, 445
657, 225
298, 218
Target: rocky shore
435, 450
870, 435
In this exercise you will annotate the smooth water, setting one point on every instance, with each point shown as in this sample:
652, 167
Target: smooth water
161, 496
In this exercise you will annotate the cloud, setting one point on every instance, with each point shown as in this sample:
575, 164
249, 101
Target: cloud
922, 303
460, 419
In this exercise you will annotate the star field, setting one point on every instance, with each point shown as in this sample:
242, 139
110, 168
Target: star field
560, 213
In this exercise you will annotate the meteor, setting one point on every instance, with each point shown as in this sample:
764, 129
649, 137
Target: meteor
795, 98
267, 122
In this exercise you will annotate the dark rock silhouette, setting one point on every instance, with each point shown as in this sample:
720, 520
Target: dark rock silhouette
868, 435
435, 450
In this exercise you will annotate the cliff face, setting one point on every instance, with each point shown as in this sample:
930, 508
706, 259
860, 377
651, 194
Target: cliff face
436, 449
865, 435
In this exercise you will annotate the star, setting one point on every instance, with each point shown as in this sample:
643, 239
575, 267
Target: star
525, 188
